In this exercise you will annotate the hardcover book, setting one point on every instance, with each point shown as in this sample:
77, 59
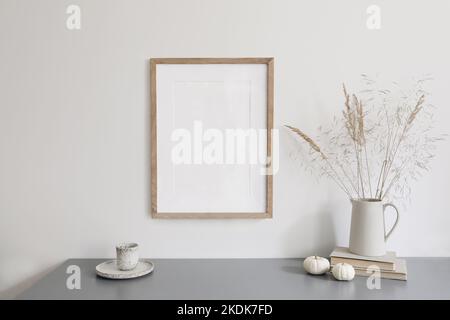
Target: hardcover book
400, 272
343, 255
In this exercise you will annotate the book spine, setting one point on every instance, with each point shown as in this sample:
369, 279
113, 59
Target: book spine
364, 273
365, 265
364, 268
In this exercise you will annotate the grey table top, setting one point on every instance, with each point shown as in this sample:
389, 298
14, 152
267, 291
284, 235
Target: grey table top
428, 278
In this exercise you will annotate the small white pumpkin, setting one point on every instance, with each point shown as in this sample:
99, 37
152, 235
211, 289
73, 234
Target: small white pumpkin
343, 272
316, 265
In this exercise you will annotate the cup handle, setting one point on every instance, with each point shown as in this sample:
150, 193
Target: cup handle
396, 220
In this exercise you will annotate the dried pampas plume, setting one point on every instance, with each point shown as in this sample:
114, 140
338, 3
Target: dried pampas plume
305, 137
384, 137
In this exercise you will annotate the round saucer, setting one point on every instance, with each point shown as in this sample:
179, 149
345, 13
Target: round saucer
108, 269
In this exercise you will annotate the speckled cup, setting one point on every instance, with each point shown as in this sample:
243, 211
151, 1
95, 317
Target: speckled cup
127, 256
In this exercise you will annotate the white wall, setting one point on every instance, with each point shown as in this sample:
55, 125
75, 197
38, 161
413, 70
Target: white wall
74, 123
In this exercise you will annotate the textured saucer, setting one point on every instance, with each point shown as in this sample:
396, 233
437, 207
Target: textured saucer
108, 269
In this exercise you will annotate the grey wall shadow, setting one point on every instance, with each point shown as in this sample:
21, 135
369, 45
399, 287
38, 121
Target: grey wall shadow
147, 146
303, 233
315, 230
16, 290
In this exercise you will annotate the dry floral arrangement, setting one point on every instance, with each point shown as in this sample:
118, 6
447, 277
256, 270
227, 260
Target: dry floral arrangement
383, 139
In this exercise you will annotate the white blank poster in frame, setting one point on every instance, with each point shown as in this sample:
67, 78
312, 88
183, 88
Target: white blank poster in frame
211, 141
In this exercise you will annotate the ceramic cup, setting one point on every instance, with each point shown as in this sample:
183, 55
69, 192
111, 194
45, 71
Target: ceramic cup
127, 256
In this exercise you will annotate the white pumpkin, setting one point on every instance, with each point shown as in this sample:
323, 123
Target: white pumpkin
343, 272
316, 265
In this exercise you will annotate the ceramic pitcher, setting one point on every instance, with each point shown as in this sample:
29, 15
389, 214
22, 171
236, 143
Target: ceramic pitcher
368, 231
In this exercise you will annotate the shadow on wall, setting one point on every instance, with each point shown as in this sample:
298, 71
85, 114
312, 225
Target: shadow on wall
148, 134
315, 229
315, 232
14, 291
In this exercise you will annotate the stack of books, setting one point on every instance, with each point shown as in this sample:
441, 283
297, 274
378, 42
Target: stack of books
390, 266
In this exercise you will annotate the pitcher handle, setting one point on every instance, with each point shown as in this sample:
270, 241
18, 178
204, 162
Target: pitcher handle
396, 220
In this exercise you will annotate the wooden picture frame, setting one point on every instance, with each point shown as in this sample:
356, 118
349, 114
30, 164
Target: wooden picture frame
157, 64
